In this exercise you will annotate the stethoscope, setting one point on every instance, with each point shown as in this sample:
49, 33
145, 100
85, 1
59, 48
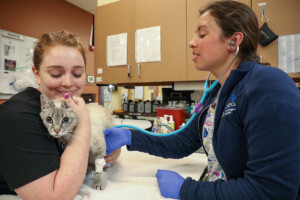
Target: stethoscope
198, 108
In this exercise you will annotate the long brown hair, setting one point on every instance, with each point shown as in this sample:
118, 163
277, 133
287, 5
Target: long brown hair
48, 40
233, 16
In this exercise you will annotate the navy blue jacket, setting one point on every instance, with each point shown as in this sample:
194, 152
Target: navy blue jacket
256, 138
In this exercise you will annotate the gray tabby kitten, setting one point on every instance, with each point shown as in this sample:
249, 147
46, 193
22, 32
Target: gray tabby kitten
60, 121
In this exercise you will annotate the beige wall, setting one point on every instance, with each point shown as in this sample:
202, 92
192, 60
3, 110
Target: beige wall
115, 103
116, 97
103, 2
34, 17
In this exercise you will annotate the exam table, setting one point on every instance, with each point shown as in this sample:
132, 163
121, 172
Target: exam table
132, 177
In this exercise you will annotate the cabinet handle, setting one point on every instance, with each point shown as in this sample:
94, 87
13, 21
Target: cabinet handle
139, 70
128, 71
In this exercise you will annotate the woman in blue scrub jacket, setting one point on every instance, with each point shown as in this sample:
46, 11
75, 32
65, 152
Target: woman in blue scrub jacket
249, 125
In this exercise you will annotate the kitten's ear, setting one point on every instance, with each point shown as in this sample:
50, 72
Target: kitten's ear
65, 105
45, 102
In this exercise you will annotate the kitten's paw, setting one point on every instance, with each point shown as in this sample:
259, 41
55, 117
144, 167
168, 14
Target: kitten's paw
99, 181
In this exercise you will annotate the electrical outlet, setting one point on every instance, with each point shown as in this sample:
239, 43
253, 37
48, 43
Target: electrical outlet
99, 79
90, 79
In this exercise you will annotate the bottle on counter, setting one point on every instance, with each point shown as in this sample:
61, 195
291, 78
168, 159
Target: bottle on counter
141, 107
164, 124
182, 125
148, 106
171, 122
155, 128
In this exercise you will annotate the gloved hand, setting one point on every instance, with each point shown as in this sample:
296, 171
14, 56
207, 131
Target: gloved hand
115, 138
169, 183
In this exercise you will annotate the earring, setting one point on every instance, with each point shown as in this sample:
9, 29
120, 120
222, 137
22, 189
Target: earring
230, 48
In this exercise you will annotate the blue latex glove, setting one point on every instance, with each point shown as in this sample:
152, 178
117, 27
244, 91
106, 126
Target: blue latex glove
169, 183
115, 138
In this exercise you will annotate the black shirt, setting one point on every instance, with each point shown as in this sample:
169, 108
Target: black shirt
27, 151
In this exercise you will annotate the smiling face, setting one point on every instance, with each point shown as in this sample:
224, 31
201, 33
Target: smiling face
62, 70
210, 51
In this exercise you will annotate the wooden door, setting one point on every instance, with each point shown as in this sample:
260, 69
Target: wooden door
112, 19
170, 15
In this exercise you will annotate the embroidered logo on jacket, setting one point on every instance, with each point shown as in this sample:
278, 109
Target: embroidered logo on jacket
230, 107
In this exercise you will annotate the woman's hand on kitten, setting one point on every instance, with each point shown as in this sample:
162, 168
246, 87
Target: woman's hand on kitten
115, 138
111, 158
78, 106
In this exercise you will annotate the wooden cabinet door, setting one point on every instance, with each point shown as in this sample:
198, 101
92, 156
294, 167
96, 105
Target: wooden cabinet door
247, 2
170, 15
284, 20
193, 7
112, 19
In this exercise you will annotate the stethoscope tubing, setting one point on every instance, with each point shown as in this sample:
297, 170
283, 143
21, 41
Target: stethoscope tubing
198, 108
158, 134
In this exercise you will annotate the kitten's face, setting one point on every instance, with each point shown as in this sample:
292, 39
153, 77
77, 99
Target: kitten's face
57, 117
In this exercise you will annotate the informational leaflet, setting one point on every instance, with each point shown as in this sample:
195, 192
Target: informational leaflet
16, 52
139, 92
148, 44
116, 50
107, 94
289, 53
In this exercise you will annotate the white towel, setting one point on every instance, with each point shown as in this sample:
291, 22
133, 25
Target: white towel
132, 177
